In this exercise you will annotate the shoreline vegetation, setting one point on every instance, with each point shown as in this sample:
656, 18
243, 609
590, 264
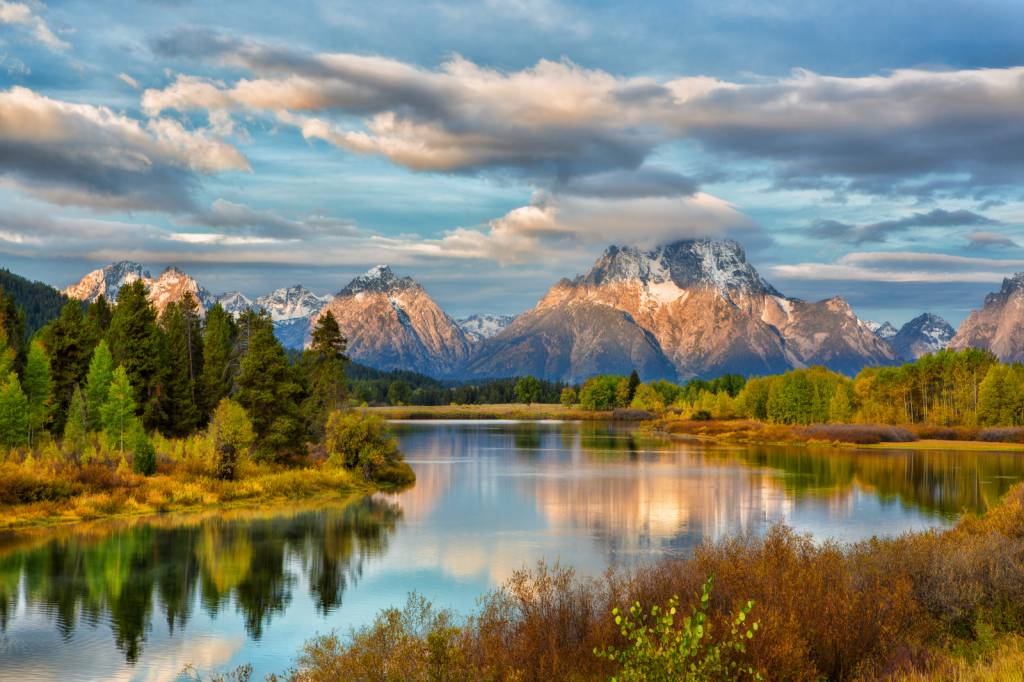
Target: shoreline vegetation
123, 411
942, 605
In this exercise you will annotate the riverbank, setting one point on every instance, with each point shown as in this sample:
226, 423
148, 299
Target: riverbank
519, 411
876, 436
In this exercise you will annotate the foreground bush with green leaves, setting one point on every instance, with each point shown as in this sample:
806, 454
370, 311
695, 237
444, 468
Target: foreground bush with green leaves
938, 605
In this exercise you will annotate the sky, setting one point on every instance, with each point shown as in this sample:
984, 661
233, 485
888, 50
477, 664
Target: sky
488, 149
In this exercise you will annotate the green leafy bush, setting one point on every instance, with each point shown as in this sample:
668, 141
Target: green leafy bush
659, 652
361, 442
143, 452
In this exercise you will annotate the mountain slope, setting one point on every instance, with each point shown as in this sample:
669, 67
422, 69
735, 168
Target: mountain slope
999, 325
924, 334
391, 322
108, 281
484, 326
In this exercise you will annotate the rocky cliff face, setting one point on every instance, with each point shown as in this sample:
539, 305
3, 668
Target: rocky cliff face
999, 325
924, 334
391, 322
696, 304
234, 302
172, 285
292, 309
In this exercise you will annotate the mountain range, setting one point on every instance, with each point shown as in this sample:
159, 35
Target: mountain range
694, 308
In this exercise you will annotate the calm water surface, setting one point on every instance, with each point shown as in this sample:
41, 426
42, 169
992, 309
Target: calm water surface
137, 599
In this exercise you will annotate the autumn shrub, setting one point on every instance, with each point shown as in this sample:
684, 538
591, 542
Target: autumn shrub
945, 433
1002, 435
20, 485
632, 415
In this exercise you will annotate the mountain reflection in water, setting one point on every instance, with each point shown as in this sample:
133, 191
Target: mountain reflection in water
136, 599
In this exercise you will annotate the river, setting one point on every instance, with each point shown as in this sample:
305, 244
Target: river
136, 599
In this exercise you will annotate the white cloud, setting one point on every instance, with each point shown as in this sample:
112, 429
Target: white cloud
79, 154
903, 266
19, 13
129, 80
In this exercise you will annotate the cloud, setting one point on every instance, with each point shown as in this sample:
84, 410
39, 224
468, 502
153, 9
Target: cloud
231, 218
878, 232
19, 13
903, 266
78, 154
129, 80
555, 226
913, 132
983, 240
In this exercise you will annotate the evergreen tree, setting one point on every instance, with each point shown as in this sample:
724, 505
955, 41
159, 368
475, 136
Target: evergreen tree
13, 412
75, 423
101, 373
68, 348
136, 344
143, 452
99, 317
38, 387
248, 322
180, 415
119, 410
324, 363
634, 382
214, 380
271, 393
12, 320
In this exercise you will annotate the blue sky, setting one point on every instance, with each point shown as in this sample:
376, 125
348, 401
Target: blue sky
488, 149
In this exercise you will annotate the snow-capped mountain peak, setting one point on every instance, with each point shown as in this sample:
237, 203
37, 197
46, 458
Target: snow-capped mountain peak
484, 325
378, 278
693, 262
234, 302
883, 331
291, 303
924, 334
108, 281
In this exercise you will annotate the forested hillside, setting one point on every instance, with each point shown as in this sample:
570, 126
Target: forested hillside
41, 302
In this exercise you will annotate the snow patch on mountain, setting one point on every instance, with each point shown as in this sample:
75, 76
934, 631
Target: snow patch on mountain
484, 325
924, 334
108, 281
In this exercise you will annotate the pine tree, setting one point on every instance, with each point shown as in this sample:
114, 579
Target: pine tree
634, 383
99, 317
13, 412
38, 387
136, 344
143, 452
215, 382
271, 393
119, 410
189, 309
68, 348
75, 423
324, 363
179, 412
101, 373
12, 321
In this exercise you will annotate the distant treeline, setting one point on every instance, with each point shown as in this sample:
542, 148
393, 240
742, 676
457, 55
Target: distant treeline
402, 387
39, 303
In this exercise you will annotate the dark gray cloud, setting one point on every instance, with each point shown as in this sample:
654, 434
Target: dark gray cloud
646, 181
230, 218
833, 230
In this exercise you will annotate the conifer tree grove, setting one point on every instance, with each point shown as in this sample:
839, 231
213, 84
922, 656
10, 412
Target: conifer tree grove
101, 373
38, 387
119, 410
68, 348
135, 343
215, 381
12, 320
270, 390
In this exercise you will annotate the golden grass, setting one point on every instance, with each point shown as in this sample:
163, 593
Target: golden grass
1005, 665
925, 444
178, 486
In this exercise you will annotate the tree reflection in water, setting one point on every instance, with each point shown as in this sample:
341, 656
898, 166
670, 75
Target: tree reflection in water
110, 572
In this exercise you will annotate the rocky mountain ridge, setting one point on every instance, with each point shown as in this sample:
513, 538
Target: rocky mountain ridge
999, 325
